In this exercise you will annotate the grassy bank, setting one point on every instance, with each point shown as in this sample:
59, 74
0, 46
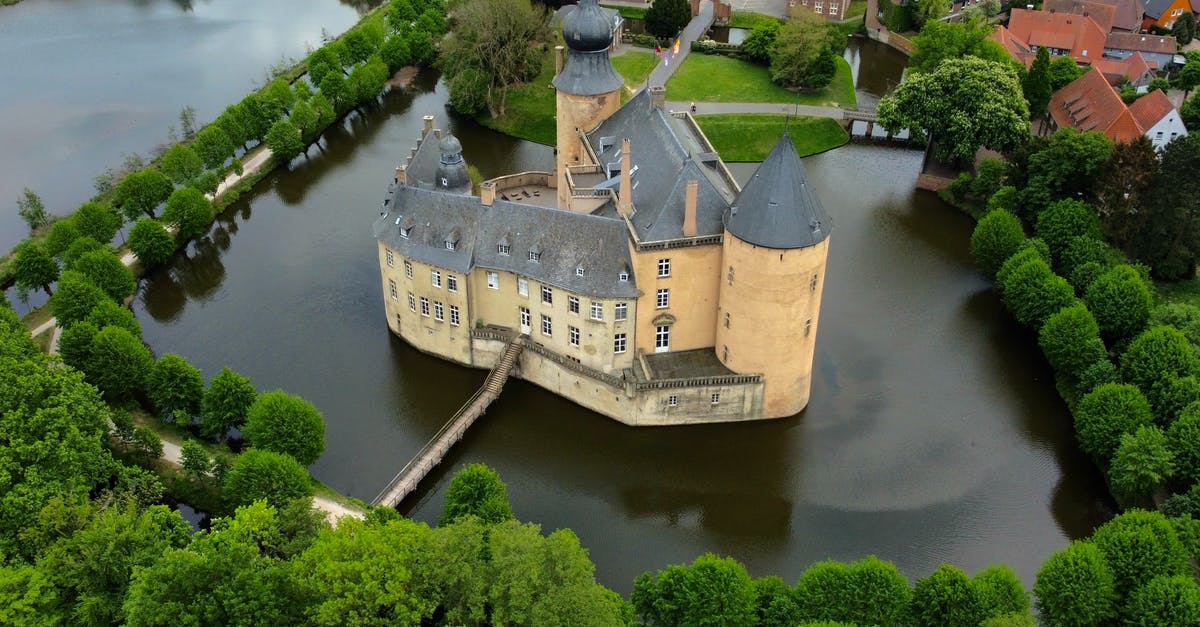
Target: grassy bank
750, 136
748, 19
529, 110
637, 13
635, 67
705, 78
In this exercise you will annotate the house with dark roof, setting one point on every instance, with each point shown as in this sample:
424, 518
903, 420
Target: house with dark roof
1164, 13
1090, 103
643, 281
1157, 49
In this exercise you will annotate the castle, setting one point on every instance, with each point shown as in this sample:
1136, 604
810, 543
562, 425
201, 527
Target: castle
647, 284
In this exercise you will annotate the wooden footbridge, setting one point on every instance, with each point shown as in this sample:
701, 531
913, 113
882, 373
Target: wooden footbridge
435, 450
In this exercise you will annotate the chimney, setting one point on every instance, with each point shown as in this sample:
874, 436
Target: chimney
428, 124
558, 60
625, 199
402, 174
658, 97
689, 209
487, 193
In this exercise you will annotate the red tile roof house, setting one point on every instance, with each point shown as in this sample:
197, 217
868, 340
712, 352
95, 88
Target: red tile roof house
1090, 104
1111, 15
1164, 13
1074, 35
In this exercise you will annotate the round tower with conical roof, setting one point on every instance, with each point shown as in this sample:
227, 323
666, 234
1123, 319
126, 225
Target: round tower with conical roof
588, 88
774, 253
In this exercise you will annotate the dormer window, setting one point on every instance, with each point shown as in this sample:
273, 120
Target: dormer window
450, 245
452, 240
404, 231
503, 249
535, 256
579, 271
623, 277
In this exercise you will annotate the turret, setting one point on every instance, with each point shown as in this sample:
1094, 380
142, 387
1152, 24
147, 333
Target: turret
774, 253
588, 88
452, 172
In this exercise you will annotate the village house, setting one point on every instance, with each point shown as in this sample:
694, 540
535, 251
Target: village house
1090, 103
1164, 13
832, 10
1111, 15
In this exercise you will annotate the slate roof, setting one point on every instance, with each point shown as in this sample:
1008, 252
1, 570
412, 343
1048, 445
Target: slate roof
587, 70
664, 167
1089, 103
1142, 42
778, 208
1155, 8
564, 239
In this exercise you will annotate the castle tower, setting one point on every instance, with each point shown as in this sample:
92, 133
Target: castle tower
452, 174
775, 249
588, 88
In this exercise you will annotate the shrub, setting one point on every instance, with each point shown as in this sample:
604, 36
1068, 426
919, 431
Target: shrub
176, 387
476, 491
105, 270
1075, 587
1121, 302
264, 475
996, 237
151, 243
1105, 414
286, 424
1156, 354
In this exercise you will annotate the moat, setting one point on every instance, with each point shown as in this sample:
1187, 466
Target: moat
934, 432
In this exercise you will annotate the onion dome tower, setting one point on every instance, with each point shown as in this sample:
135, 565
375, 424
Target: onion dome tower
452, 172
588, 88
775, 249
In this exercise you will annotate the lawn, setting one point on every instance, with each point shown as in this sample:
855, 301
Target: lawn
635, 66
705, 78
529, 110
858, 8
1182, 292
750, 136
747, 19
637, 13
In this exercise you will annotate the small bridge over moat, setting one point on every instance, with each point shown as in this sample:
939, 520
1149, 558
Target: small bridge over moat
406, 481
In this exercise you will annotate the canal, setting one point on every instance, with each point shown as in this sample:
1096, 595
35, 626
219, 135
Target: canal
934, 433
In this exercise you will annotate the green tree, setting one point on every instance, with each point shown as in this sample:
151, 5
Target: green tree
60, 236
256, 121
189, 211
468, 92
1038, 85
366, 81
1139, 546
1000, 592
103, 268
213, 146
965, 103
265, 475
476, 491
75, 298
928, 11
989, 177
1170, 243
1143, 462
321, 62
333, 87
226, 403
939, 41
1156, 354
278, 97
946, 597
665, 18
142, 192
286, 424
119, 363
33, 267
1033, 293
1105, 414
151, 243
195, 460
803, 53
1170, 396
1063, 70
1121, 302
421, 45
1075, 587
1064, 220
180, 163
395, 53
285, 141
1189, 76
32, 210
108, 313
305, 118
1066, 167
176, 387
232, 123
1184, 29
776, 606
79, 248
711, 591
760, 42
1183, 437
490, 43
1070, 339
97, 221
75, 344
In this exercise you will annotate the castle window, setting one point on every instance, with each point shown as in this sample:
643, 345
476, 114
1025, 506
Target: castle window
392, 289
449, 245
728, 319
535, 256
438, 311
546, 326
424, 306
547, 295
724, 353
664, 267
573, 305
412, 302
731, 275
619, 343
493, 280
435, 278
522, 286
397, 321
408, 269
391, 259
620, 311
663, 299
579, 271
452, 283
454, 315
807, 327
573, 336
503, 249
662, 339
817, 7
812, 285
597, 311
672, 401
623, 277
833, 9
715, 398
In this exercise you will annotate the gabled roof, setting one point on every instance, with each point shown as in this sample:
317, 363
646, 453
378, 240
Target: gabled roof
1103, 14
1155, 8
1078, 33
778, 207
1151, 108
1128, 14
1089, 103
1143, 42
1018, 49
1133, 67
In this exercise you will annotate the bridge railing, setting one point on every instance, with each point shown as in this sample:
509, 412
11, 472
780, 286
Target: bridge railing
692, 382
